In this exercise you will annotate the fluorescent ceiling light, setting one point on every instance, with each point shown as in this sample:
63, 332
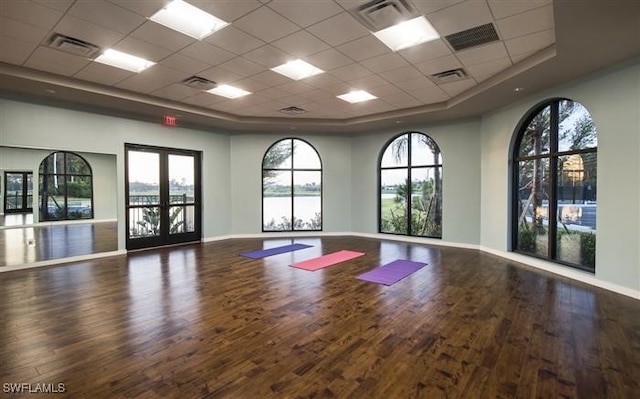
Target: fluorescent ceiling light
185, 18
357, 96
122, 60
228, 91
297, 70
407, 34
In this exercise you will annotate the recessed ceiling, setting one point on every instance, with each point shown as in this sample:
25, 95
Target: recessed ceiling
540, 44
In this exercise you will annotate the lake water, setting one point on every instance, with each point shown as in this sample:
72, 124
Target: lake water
305, 208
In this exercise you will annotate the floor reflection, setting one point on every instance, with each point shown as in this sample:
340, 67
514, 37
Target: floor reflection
34, 243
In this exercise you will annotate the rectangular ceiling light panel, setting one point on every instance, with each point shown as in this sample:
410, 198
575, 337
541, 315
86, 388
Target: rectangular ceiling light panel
122, 60
228, 91
407, 34
185, 18
297, 70
357, 96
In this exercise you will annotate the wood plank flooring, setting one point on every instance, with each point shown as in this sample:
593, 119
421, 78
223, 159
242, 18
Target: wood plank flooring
199, 321
34, 243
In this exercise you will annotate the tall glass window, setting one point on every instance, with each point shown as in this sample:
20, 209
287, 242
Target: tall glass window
66, 187
411, 187
555, 184
291, 187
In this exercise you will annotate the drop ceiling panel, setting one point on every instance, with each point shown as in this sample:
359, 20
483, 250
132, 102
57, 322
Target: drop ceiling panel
60, 5
480, 54
261, 24
140, 48
329, 59
485, 70
31, 13
429, 95
339, 29
208, 53
350, 72
461, 16
384, 62
103, 74
427, 7
363, 48
502, 8
220, 75
83, 30
295, 87
300, 44
439, 65
162, 36
401, 74
530, 43
107, 15
14, 51
420, 83
250, 84
143, 83
203, 99
402, 100
49, 60
270, 78
536, 20
242, 66
425, 51
309, 13
268, 56
22, 30
145, 8
234, 40
185, 64
229, 10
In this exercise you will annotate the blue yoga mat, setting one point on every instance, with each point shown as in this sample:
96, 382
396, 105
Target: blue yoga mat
263, 253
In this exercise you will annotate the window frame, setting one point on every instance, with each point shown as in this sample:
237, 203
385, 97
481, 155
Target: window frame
64, 175
292, 170
408, 168
553, 155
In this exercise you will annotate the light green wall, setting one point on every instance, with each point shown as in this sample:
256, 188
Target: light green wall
475, 159
246, 174
613, 99
42, 127
103, 167
460, 146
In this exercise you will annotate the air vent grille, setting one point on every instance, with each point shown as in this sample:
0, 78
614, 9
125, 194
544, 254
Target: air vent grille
380, 14
449, 76
199, 83
473, 37
293, 110
72, 45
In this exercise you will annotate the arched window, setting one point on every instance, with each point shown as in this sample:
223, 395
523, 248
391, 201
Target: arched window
291, 187
410, 183
554, 184
66, 187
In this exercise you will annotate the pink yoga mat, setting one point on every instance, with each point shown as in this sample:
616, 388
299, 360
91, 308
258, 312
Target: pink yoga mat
326, 260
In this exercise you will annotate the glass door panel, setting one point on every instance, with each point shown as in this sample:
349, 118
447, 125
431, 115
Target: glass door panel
144, 194
163, 205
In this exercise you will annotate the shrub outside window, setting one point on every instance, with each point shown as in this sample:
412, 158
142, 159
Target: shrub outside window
291, 187
555, 184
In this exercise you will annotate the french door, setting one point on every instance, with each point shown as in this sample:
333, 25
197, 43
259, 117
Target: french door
162, 196
18, 192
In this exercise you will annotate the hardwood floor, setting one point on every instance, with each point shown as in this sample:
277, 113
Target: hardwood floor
33, 243
199, 321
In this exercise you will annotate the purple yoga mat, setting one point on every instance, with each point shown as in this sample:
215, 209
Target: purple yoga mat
392, 272
274, 251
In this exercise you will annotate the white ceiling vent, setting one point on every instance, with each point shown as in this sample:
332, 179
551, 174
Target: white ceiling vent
72, 45
199, 83
379, 14
293, 110
452, 75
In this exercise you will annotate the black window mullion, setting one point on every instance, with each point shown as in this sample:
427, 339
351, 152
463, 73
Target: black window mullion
554, 126
409, 186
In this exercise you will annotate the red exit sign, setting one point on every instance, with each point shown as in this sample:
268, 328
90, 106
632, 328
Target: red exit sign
168, 120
